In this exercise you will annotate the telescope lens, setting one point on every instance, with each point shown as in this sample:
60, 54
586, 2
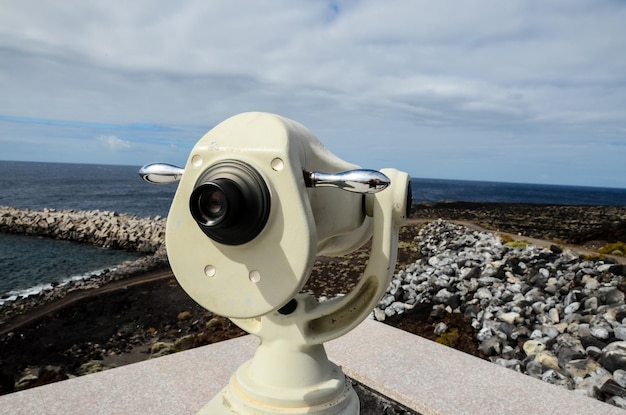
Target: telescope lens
231, 204
212, 204
217, 203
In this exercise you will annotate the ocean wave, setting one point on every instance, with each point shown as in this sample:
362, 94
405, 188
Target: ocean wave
39, 288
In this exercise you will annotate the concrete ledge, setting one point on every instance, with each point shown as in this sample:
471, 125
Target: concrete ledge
420, 374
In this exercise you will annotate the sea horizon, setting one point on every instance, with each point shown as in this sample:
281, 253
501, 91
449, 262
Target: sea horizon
442, 179
78, 186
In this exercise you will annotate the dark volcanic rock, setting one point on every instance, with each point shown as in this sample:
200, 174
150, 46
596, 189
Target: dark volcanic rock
571, 224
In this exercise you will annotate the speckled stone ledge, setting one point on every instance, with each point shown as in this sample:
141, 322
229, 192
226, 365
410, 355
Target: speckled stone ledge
420, 374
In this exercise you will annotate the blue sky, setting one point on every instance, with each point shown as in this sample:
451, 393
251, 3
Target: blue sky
522, 91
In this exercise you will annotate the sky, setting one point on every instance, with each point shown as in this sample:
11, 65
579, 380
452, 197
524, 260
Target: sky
526, 91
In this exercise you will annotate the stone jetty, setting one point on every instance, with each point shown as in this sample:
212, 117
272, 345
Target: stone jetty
549, 313
101, 228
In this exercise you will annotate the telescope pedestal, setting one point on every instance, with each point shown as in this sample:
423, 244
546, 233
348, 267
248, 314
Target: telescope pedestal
285, 376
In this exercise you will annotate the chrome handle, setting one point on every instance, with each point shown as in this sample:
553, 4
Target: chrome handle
356, 181
161, 173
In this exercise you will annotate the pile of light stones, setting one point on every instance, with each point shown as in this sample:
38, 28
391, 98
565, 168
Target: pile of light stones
549, 313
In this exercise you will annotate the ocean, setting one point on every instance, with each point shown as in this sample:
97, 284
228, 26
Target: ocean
437, 190
28, 264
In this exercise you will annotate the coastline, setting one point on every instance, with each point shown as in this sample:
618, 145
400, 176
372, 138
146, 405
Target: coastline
139, 321
99, 228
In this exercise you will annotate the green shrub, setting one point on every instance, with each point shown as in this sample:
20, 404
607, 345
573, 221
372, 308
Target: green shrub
506, 238
449, 338
517, 244
616, 248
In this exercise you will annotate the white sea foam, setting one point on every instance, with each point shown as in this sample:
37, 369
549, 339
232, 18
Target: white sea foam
15, 294
36, 289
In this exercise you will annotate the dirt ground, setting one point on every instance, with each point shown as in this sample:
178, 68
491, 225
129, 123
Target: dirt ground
127, 325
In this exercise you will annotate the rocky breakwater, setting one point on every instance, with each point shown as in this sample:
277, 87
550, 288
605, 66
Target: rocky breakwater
549, 313
107, 229
101, 228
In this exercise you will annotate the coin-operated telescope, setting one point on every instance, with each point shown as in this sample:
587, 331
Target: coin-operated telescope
259, 198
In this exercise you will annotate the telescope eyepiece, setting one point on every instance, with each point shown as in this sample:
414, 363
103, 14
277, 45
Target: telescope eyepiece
230, 203
216, 204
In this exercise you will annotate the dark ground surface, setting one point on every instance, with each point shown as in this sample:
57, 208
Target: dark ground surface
119, 327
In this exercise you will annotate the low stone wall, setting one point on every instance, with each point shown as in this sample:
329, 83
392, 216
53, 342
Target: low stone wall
107, 229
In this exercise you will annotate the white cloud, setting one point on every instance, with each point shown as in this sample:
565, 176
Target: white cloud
355, 72
114, 143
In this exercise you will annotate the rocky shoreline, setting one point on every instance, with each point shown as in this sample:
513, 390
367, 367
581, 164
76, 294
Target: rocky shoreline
453, 306
105, 229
